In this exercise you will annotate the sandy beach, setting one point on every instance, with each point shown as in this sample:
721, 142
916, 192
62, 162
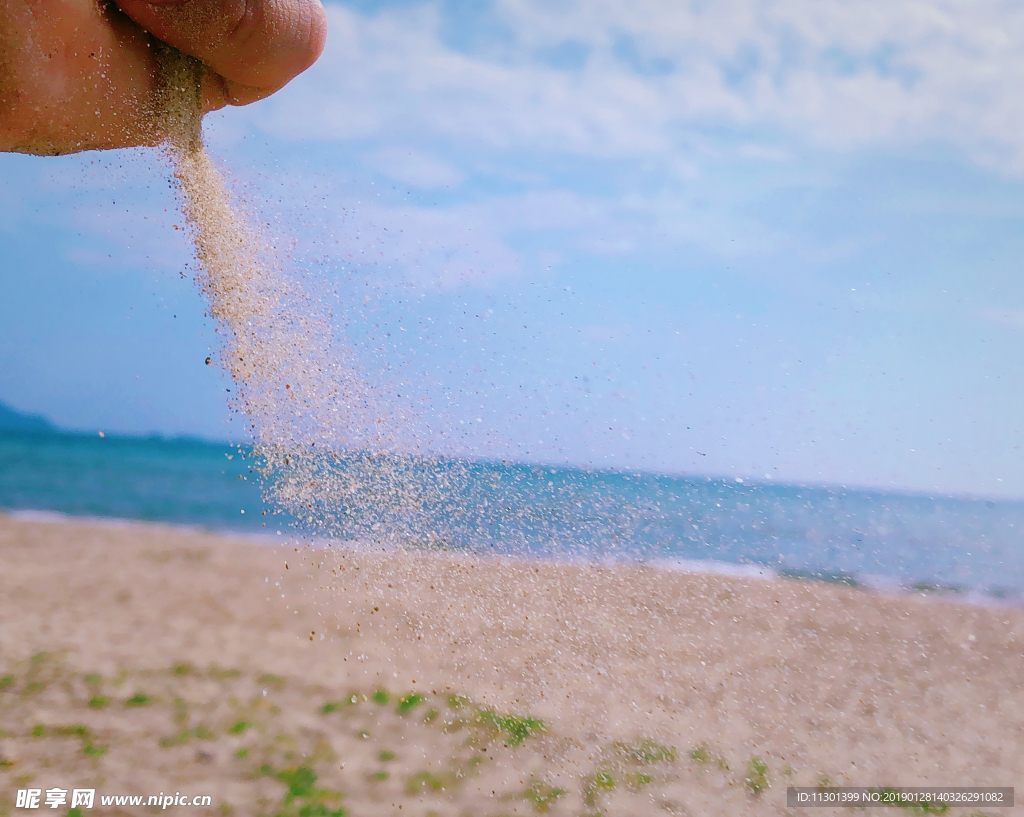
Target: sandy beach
282, 679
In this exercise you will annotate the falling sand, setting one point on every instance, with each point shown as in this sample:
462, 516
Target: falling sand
293, 388
273, 336
327, 446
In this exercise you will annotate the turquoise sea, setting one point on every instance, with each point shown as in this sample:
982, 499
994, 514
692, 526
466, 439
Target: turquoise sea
972, 546
177, 481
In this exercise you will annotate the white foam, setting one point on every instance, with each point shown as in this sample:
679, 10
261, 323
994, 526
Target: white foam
49, 517
717, 568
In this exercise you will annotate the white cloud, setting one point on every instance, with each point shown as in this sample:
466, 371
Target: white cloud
618, 147
391, 75
468, 243
473, 243
832, 73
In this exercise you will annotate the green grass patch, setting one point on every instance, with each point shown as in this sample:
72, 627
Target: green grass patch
98, 701
184, 668
379, 776
78, 730
93, 679
320, 810
408, 702
138, 699
604, 780
600, 782
301, 786
756, 778
637, 780
384, 755
185, 735
74, 730
380, 697
646, 751
329, 707
457, 701
542, 796
91, 749
518, 728
242, 753
271, 680
702, 754
6, 682
238, 727
300, 781
219, 673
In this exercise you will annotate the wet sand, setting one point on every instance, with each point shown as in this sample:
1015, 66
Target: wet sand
142, 659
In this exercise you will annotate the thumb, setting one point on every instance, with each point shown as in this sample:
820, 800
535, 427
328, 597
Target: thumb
255, 46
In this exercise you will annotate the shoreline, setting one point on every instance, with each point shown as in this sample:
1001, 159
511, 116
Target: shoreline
877, 584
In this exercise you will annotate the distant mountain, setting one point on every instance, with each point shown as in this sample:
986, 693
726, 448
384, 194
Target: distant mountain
11, 420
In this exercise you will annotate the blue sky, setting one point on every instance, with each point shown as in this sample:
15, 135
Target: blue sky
769, 240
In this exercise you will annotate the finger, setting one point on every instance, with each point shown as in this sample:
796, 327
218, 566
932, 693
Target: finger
218, 92
73, 76
255, 46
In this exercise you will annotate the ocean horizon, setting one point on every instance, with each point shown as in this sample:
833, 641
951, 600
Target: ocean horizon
969, 546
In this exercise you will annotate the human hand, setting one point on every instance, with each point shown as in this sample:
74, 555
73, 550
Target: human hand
85, 74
